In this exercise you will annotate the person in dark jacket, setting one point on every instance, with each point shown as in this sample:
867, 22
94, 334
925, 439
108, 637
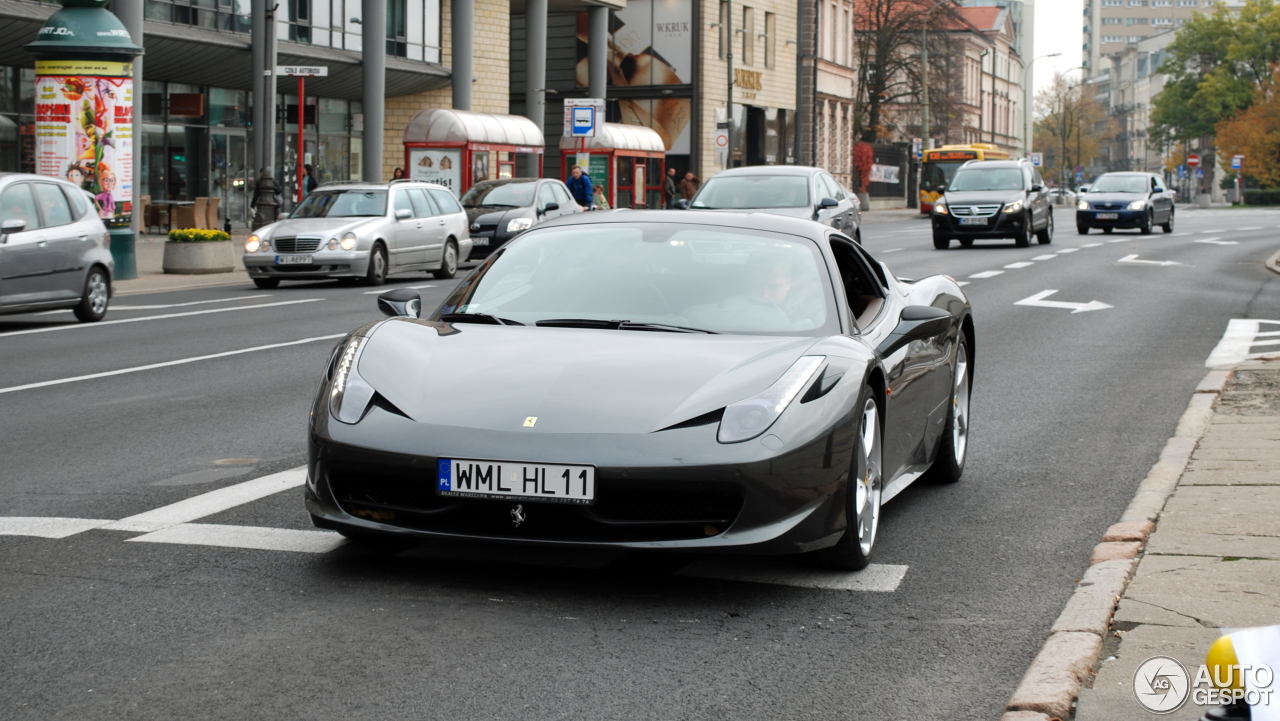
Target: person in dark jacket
579, 184
310, 182
670, 194
689, 186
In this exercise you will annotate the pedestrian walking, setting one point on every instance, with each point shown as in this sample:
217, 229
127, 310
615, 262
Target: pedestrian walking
689, 186
579, 184
598, 199
397, 174
670, 193
309, 183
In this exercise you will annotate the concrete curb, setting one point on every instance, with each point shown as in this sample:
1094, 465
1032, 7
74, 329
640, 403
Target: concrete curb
1051, 685
1273, 263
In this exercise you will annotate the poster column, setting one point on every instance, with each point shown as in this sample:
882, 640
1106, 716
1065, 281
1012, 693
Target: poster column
84, 114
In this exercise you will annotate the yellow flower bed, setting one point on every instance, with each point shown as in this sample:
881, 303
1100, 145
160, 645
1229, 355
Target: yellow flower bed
196, 235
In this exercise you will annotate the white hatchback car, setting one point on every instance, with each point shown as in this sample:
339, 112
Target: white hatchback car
354, 230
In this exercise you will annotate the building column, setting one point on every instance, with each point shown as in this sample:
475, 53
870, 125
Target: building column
130, 14
463, 26
258, 52
535, 62
597, 52
373, 50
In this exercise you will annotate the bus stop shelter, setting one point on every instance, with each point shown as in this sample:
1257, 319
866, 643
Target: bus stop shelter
628, 160
459, 148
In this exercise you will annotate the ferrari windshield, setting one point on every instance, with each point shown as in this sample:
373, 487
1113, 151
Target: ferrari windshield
343, 204
705, 277
513, 195
1121, 184
977, 178
744, 192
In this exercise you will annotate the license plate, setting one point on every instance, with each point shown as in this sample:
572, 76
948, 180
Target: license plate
479, 241
1107, 216
293, 260
973, 221
545, 482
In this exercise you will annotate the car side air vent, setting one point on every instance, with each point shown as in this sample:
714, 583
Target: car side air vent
705, 419
381, 401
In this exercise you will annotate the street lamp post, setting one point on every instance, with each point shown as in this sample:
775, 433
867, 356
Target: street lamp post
924, 72
1028, 112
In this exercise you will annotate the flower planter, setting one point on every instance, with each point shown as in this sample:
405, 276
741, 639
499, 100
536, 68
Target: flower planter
187, 258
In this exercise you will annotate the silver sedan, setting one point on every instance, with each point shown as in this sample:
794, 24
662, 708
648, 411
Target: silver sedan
363, 231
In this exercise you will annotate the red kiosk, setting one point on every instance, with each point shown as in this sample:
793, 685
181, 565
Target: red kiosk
459, 148
628, 160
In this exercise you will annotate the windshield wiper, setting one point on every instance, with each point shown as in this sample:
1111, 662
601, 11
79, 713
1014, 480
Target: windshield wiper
477, 318
616, 325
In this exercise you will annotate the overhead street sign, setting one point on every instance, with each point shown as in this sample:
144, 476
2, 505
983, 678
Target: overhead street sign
305, 71
583, 116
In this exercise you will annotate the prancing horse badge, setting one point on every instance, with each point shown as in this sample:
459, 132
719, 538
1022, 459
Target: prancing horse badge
517, 514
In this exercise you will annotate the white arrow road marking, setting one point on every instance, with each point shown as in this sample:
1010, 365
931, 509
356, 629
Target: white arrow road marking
1038, 300
1216, 241
46, 527
384, 290
987, 274
100, 324
1133, 259
1050, 256
1023, 264
252, 537
168, 305
891, 250
207, 504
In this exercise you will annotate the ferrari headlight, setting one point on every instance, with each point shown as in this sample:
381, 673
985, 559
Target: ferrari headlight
349, 241
1082, 205
518, 224
1137, 205
252, 244
749, 418
940, 207
349, 394
1013, 207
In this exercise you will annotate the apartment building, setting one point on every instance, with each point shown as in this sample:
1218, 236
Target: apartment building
1110, 25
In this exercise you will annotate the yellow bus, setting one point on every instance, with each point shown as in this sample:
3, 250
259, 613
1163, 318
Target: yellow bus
941, 163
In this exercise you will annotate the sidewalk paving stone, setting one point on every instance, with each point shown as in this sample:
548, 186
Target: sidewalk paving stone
1111, 697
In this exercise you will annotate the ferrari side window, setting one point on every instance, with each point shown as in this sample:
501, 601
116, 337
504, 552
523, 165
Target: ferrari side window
861, 287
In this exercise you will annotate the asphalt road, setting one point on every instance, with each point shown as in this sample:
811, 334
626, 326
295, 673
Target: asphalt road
1069, 412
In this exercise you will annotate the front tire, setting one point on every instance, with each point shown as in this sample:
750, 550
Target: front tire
1046, 236
448, 263
377, 273
940, 243
862, 496
97, 296
267, 283
1082, 229
1168, 226
1147, 222
948, 466
1023, 238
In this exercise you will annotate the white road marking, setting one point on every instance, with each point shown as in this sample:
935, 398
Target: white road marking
962, 283
1179, 235
253, 537
47, 527
1091, 245
1237, 341
167, 305
152, 366
1038, 300
1121, 240
1216, 230
1252, 227
891, 250
987, 274
1216, 241
207, 504
158, 317
1133, 260
384, 290
877, 577
1049, 256
1066, 250
1023, 264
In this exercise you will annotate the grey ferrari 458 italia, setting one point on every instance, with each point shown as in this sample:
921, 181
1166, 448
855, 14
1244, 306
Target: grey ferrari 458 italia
657, 380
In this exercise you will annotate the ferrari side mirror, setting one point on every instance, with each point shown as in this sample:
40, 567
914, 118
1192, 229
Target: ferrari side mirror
401, 302
917, 322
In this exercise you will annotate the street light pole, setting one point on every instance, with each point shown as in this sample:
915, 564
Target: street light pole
924, 73
1028, 112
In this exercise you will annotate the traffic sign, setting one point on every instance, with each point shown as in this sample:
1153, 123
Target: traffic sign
1193, 160
917, 148
582, 116
1037, 159
1079, 176
1200, 173
1237, 162
303, 71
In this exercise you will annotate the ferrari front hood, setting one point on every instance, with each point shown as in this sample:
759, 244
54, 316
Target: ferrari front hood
571, 380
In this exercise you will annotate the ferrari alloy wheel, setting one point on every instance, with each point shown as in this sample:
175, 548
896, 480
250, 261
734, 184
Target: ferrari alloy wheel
377, 274
948, 466
1046, 236
862, 497
1168, 225
1023, 239
1147, 221
449, 263
97, 295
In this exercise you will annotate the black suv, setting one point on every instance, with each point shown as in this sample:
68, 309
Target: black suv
993, 199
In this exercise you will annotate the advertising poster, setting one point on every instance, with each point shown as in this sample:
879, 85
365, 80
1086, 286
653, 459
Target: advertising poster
84, 130
442, 166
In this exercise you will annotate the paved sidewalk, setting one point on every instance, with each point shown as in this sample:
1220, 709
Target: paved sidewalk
152, 278
890, 216
1213, 561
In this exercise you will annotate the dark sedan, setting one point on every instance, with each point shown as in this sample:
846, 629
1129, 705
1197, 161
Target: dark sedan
795, 191
1126, 200
721, 382
499, 210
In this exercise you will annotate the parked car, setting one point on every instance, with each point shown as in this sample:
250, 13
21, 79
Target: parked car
795, 191
698, 382
54, 249
1126, 200
499, 210
353, 231
993, 199
1062, 196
